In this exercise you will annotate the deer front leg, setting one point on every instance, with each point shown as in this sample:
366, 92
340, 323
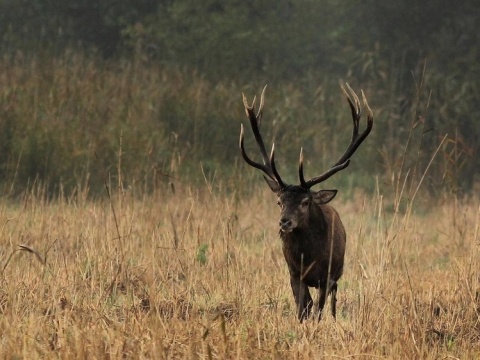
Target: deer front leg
322, 297
303, 300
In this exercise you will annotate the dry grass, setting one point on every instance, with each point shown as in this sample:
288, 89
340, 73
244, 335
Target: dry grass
201, 275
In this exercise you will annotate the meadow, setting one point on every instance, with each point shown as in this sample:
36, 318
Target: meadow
124, 234
198, 273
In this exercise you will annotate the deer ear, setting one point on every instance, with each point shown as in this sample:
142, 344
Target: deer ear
324, 196
274, 186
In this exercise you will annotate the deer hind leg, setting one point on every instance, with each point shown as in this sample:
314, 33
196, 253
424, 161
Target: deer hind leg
333, 299
303, 300
322, 297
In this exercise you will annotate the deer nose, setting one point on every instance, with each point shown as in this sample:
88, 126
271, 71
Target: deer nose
285, 224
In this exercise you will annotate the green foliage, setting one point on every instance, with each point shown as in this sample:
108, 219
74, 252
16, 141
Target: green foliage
231, 38
202, 254
52, 25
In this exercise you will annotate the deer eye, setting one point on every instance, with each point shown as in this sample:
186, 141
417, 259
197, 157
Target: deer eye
305, 202
279, 203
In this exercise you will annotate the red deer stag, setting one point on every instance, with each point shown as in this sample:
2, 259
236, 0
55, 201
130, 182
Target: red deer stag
313, 236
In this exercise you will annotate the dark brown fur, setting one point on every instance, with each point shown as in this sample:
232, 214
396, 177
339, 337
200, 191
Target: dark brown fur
312, 233
308, 229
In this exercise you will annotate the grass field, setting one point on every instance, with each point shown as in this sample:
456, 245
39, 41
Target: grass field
199, 273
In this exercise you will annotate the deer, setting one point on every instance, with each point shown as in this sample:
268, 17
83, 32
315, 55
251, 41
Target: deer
312, 233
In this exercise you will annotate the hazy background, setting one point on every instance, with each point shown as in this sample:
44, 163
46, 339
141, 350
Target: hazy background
145, 91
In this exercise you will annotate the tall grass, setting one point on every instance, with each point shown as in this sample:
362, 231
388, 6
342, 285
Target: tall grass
65, 119
199, 274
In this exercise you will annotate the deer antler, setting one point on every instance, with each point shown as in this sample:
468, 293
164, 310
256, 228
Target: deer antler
355, 142
268, 166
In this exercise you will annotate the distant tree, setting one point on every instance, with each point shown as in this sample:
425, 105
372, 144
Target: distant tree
240, 38
38, 25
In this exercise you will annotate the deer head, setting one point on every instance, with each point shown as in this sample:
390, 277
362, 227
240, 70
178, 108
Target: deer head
296, 200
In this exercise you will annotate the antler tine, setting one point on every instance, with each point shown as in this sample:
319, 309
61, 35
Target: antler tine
308, 184
333, 170
254, 123
369, 111
268, 166
356, 114
355, 142
274, 168
248, 108
354, 106
244, 154
300, 169
260, 107
264, 168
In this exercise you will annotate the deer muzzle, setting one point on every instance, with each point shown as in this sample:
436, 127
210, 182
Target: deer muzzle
287, 225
